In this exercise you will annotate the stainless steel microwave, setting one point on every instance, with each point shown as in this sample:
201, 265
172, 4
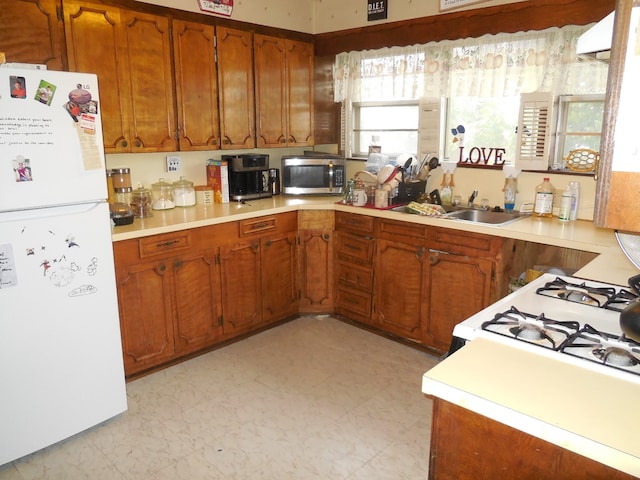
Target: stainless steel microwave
315, 174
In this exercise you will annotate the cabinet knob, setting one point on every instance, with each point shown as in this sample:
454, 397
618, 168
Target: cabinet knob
138, 143
162, 267
124, 143
226, 141
433, 259
178, 264
326, 236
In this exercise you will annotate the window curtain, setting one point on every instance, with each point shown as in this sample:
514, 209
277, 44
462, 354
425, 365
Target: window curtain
507, 64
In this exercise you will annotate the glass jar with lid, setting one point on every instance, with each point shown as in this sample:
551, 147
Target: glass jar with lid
184, 193
141, 202
162, 195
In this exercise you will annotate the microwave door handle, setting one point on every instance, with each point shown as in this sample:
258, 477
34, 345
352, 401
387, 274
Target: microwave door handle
331, 176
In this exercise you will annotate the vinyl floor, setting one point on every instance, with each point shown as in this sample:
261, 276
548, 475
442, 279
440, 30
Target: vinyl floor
314, 398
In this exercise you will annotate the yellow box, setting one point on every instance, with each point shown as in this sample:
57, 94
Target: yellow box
218, 179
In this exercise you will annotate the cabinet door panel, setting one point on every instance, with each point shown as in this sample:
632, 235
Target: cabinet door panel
148, 60
400, 287
300, 92
280, 298
196, 85
235, 81
96, 43
241, 287
316, 271
146, 319
271, 100
30, 32
197, 295
459, 287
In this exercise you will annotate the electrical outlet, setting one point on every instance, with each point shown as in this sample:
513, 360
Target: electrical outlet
173, 164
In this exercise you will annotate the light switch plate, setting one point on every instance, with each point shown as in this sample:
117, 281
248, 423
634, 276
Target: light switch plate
173, 164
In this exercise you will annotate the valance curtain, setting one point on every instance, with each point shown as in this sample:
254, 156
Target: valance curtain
506, 64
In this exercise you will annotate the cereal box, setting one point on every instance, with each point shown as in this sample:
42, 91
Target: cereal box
218, 179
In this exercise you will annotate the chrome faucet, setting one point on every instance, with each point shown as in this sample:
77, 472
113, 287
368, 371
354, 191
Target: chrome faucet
473, 197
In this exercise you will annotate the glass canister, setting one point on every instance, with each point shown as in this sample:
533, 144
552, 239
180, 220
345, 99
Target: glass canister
184, 193
162, 195
141, 202
121, 178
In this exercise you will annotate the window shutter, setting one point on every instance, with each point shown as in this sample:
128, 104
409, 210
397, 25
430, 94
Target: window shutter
429, 128
534, 131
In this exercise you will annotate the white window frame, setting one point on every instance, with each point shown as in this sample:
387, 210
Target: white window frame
564, 101
358, 150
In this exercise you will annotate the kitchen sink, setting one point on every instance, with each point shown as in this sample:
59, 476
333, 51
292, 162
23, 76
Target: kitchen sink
469, 214
484, 216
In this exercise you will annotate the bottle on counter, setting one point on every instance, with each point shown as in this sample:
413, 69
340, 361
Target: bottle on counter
543, 206
575, 199
565, 205
510, 190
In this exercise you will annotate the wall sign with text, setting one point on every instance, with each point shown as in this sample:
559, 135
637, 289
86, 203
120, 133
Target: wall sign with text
220, 7
449, 4
376, 10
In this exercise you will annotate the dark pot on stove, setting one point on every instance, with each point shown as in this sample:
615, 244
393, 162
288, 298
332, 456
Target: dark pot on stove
630, 316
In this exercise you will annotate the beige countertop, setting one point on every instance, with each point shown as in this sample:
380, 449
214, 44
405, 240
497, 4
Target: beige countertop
576, 408
610, 266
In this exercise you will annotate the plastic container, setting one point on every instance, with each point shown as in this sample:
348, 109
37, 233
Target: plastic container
565, 205
543, 206
162, 195
204, 195
510, 190
184, 193
575, 200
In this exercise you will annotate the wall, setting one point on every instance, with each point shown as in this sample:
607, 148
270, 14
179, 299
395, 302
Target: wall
320, 16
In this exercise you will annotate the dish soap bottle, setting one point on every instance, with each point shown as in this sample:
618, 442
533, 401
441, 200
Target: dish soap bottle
446, 192
544, 199
565, 205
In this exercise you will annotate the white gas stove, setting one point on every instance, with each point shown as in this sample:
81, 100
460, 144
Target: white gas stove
565, 318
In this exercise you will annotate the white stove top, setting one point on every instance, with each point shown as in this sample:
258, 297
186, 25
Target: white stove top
526, 300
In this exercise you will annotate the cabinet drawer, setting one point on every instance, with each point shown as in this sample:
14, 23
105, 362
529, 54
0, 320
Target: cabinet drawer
268, 224
354, 276
162, 244
354, 301
355, 222
400, 230
464, 243
355, 247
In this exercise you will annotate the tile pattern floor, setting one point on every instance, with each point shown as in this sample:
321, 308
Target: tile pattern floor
314, 398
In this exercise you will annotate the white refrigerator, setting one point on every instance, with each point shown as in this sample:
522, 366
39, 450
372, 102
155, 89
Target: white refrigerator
61, 367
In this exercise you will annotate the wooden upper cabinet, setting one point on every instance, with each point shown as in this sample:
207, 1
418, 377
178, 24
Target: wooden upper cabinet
131, 54
31, 31
196, 85
300, 92
284, 92
235, 83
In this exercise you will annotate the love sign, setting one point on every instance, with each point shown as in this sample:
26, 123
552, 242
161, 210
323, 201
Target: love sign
482, 156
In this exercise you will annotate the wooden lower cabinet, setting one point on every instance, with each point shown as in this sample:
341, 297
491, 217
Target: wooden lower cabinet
146, 312
315, 261
355, 246
469, 446
400, 288
458, 287
168, 296
259, 273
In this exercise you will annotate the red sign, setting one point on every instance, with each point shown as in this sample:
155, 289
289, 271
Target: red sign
220, 7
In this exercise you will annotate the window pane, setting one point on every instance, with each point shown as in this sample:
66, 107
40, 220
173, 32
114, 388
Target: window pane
393, 143
585, 117
389, 117
488, 122
573, 142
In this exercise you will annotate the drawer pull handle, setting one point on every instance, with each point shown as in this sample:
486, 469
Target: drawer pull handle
168, 243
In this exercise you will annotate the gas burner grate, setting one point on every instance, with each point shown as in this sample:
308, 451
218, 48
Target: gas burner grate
620, 300
578, 293
609, 350
533, 329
